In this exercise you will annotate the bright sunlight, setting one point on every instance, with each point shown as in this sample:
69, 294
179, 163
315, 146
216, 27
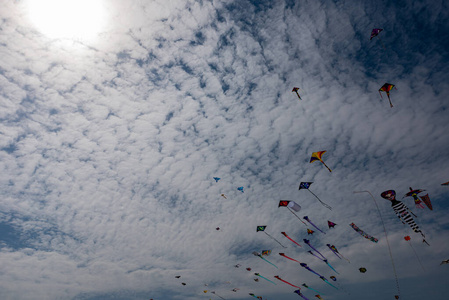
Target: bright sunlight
79, 20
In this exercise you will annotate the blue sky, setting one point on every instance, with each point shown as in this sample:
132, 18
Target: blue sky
109, 146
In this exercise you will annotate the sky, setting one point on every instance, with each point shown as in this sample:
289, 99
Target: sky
116, 115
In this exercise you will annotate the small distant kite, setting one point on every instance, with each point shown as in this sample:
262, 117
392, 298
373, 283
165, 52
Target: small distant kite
262, 228
224, 196
248, 269
446, 183
375, 33
363, 233
183, 283
295, 89
387, 87
444, 262
309, 231
266, 252
300, 294
257, 274
216, 179
362, 270
235, 290
331, 224
333, 278
240, 189
317, 156
319, 297
414, 193
218, 228
306, 186
237, 265
178, 276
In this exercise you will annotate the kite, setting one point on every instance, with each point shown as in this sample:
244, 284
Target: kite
306, 185
262, 228
365, 235
362, 270
387, 87
218, 228
216, 179
331, 224
248, 269
300, 294
240, 189
257, 297
319, 297
224, 196
256, 279
446, 183
178, 276
237, 266
292, 206
308, 269
408, 238
375, 32
309, 231
444, 262
322, 256
266, 252
295, 89
257, 274
414, 193
183, 283
257, 254
335, 251
235, 290
401, 211
290, 239
307, 219
306, 286
317, 156
279, 278
333, 278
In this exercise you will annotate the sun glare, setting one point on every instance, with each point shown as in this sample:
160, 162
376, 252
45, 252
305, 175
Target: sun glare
68, 19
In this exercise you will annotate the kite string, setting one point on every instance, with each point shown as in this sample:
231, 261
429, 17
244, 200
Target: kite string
388, 243
416, 255
297, 216
274, 239
322, 203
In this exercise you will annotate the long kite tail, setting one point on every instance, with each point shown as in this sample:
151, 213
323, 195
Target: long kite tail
308, 220
275, 239
268, 262
326, 166
296, 216
308, 244
291, 239
306, 286
257, 274
322, 203
325, 280
327, 263
279, 278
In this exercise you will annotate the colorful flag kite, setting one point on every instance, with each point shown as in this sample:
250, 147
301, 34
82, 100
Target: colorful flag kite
362, 233
306, 185
279, 278
402, 211
408, 238
414, 193
259, 255
240, 189
317, 156
306, 286
331, 224
216, 179
300, 294
308, 220
257, 274
266, 252
295, 89
309, 231
283, 233
387, 87
262, 228
257, 297
292, 206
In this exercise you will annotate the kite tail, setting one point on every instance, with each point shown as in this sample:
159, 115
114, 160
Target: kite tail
326, 166
269, 262
325, 280
291, 239
300, 294
388, 95
307, 219
275, 239
327, 263
313, 289
297, 216
308, 243
279, 278
266, 279
322, 203
313, 272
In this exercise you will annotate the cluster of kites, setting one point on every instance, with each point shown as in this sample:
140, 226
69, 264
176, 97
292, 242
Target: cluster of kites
405, 215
